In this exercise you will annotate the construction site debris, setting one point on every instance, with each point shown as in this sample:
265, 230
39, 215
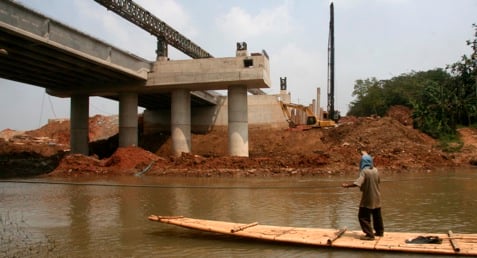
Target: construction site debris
395, 145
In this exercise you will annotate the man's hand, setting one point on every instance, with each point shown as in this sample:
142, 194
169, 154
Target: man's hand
345, 185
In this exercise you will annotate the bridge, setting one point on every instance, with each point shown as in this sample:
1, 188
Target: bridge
40, 51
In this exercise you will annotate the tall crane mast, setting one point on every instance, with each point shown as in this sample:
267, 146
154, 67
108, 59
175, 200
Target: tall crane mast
166, 35
331, 66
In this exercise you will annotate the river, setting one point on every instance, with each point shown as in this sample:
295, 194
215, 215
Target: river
107, 217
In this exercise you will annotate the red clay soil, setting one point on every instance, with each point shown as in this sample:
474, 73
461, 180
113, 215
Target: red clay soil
394, 144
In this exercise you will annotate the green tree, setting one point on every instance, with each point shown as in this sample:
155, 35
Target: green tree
374, 97
431, 109
369, 98
440, 99
464, 84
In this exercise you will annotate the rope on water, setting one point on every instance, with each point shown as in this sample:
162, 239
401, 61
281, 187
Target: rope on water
19, 181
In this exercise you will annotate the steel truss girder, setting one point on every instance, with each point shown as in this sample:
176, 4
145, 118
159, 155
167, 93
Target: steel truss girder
142, 18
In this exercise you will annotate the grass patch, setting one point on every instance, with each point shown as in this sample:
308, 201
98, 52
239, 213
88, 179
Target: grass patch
450, 143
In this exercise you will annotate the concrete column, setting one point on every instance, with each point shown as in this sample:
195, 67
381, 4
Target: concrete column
128, 119
238, 121
79, 124
318, 104
180, 122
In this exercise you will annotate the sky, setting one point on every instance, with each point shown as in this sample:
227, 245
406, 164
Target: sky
373, 38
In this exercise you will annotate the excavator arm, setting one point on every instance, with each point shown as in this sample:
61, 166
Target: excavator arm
311, 119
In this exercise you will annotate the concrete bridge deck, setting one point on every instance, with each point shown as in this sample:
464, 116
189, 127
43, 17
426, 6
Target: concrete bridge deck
43, 52
46, 53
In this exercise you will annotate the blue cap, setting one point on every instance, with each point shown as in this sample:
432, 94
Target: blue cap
366, 161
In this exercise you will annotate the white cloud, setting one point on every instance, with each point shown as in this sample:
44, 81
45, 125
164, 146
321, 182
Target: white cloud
354, 3
121, 33
109, 27
171, 13
174, 14
242, 24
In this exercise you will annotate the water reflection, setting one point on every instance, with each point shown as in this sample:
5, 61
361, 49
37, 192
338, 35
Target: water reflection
107, 217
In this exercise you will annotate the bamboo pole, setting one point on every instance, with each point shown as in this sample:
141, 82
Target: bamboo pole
453, 241
461, 237
240, 228
338, 234
159, 218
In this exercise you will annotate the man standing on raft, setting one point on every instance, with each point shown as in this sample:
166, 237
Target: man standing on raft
370, 205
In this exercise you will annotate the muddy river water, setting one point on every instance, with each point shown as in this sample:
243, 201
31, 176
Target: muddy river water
108, 217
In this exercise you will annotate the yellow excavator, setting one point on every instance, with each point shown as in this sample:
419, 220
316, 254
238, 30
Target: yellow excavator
311, 119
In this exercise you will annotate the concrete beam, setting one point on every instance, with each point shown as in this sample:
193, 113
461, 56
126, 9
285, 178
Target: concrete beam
128, 120
79, 124
211, 73
211, 97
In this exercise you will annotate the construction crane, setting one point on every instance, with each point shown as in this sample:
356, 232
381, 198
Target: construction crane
331, 66
166, 35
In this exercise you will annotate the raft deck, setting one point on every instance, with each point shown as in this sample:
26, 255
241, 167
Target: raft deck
452, 243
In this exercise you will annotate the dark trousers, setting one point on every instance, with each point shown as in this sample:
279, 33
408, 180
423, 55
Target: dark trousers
364, 216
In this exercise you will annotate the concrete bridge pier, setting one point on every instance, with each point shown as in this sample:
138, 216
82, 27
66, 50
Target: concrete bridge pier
238, 121
128, 119
180, 121
79, 124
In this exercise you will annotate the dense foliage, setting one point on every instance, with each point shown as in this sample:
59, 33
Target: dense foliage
440, 98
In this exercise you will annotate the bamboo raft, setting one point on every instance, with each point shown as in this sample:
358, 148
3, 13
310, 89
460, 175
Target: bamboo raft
452, 244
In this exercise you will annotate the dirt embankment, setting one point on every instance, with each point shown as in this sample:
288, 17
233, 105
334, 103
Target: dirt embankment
395, 145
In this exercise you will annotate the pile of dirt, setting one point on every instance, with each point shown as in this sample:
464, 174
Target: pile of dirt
394, 144
57, 129
401, 113
126, 160
7, 134
467, 154
36, 152
26, 155
100, 128
395, 147
103, 127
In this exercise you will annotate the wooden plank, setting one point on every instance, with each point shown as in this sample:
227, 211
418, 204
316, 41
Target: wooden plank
390, 242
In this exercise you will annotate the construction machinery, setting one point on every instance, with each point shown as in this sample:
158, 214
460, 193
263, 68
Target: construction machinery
296, 113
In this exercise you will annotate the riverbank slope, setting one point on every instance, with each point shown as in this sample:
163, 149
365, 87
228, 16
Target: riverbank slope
394, 144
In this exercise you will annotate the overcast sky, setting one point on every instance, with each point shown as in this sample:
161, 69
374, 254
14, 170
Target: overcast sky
373, 38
